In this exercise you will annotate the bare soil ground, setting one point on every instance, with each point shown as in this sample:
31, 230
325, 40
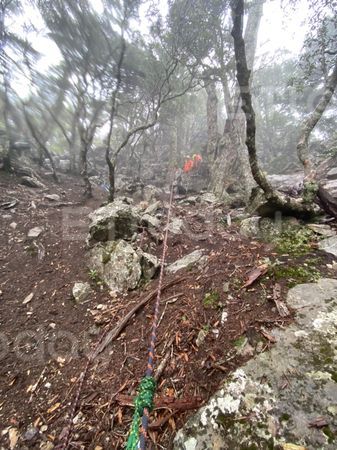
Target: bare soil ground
44, 343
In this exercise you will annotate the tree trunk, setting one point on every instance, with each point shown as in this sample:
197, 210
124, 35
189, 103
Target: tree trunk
212, 120
112, 187
231, 171
40, 143
84, 170
311, 121
282, 202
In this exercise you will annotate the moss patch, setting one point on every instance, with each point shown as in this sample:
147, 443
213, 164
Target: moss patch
295, 275
295, 241
211, 300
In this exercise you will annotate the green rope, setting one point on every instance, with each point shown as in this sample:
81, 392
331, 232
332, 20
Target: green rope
143, 400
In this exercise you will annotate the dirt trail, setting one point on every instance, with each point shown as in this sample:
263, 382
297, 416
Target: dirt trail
209, 324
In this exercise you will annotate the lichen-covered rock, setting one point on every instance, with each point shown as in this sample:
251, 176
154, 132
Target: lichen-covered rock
272, 400
260, 227
117, 220
209, 198
187, 261
149, 263
81, 292
176, 226
117, 264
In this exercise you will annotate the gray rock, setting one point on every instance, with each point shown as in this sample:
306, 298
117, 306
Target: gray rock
53, 197
153, 208
260, 227
13, 225
176, 225
35, 232
117, 264
187, 261
287, 183
322, 229
331, 187
208, 197
81, 292
329, 245
332, 174
192, 200
32, 182
114, 221
94, 330
152, 193
304, 361
150, 221
201, 337
150, 264
31, 433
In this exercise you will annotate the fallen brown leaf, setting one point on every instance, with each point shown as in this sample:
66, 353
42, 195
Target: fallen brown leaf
255, 274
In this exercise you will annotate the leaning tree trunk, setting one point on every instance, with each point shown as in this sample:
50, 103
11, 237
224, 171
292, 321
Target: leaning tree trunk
311, 121
282, 202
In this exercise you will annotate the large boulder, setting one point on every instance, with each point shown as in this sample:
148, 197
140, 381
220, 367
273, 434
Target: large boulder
285, 398
117, 264
117, 220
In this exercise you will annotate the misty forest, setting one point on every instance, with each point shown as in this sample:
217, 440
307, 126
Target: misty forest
168, 217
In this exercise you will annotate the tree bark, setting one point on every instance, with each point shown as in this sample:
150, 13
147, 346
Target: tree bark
84, 169
212, 120
282, 202
311, 121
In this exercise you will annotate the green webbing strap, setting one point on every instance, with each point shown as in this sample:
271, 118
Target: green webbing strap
143, 400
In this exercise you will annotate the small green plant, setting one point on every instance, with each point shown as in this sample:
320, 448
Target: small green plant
309, 192
94, 276
211, 300
32, 249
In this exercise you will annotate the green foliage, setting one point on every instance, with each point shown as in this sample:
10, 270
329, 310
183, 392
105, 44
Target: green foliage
295, 241
310, 192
